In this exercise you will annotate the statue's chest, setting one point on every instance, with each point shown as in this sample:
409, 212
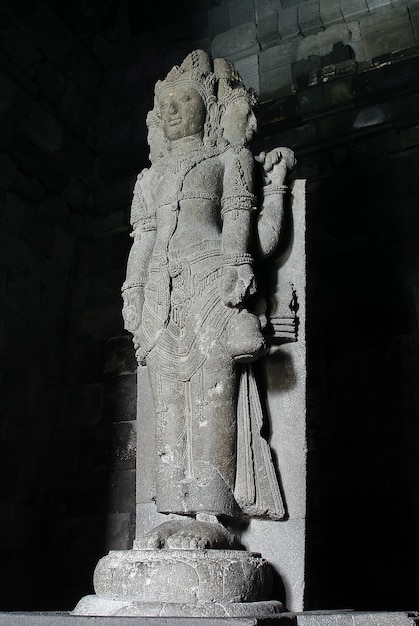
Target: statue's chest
176, 181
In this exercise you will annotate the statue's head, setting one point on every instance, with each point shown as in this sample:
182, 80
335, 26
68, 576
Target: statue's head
237, 106
185, 98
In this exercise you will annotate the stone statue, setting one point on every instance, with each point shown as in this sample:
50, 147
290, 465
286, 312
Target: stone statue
197, 218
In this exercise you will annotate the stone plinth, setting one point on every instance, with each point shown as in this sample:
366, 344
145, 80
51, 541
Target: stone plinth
205, 583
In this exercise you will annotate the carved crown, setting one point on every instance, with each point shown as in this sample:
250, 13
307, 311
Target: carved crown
195, 71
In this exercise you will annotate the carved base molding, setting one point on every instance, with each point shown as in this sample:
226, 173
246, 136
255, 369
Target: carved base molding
196, 583
94, 606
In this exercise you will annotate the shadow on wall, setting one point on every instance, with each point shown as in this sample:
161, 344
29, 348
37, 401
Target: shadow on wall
362, 332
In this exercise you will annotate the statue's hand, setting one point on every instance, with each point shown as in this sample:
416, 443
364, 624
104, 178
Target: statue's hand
133, 298
276, 164
237, 284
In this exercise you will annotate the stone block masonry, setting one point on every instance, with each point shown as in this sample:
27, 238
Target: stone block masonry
45, 169
309, 19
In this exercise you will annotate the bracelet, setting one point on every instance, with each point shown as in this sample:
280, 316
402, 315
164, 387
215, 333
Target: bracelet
269, 190
240, 203
238, 259
130, 285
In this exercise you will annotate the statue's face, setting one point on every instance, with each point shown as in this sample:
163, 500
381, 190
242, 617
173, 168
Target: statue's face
182, 112
239, 122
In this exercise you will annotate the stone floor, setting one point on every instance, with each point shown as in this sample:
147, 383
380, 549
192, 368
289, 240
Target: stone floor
316, 618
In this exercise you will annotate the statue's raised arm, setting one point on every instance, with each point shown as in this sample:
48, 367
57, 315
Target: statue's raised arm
276, 166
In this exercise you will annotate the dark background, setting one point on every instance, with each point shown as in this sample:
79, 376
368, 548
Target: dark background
76, 81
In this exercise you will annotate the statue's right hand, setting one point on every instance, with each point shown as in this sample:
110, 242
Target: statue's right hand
133, 298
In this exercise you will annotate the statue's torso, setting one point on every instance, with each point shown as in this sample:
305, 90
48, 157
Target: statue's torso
186, 196
185, 266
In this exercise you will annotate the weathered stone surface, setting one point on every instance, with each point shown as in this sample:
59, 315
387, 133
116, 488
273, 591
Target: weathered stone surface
240, 12
92, 605
330, 12
387, 31
275, 56
282, 544
414, 18
308, 17
378, 5
350, 618
267, 29
323, 43
249, 70
353, 9
237, 343
236, 43
189, 576
123, 438
120, 398
288, 22
371, 116
275, 80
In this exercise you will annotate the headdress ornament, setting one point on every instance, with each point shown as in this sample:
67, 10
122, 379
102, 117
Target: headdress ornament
231, 85
156, 140
195, 71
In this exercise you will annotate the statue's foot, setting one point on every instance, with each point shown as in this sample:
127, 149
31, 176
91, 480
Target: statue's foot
157, 538
199, 535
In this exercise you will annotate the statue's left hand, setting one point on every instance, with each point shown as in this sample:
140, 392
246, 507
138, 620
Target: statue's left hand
237, 284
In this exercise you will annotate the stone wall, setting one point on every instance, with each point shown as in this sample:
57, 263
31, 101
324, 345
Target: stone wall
60, 421
339, 84
360, 159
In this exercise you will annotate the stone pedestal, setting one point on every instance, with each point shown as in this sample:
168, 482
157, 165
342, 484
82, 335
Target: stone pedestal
205, 583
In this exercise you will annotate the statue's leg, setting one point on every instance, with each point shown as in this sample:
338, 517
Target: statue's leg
170, 459
214, 432
212, 455
171, 442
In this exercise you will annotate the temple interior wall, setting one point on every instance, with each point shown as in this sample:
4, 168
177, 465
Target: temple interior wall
338, 83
